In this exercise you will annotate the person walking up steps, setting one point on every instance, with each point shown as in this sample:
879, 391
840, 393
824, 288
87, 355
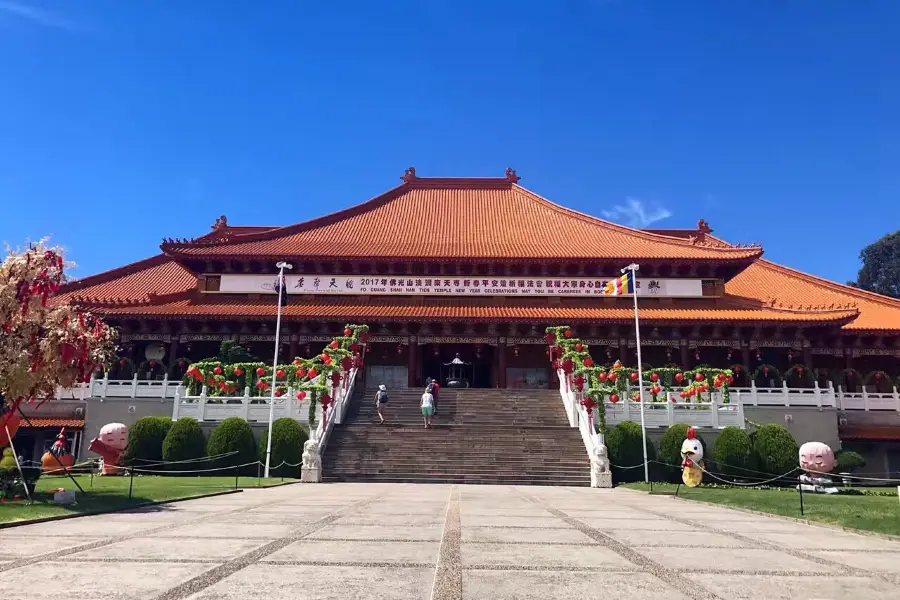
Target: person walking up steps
381, 400
427, 404
432, 389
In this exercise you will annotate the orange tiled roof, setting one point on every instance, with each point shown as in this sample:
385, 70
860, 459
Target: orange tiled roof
446, 309
138, 282
51, 422
435, 218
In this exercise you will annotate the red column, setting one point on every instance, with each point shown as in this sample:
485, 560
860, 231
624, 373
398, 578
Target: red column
500, 364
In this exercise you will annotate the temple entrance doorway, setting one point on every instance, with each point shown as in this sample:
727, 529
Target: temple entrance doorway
475, 365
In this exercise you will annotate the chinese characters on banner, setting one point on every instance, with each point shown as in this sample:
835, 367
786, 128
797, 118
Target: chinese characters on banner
454, 286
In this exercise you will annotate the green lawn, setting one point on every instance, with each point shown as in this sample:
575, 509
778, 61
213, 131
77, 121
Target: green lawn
105, 493
870, 513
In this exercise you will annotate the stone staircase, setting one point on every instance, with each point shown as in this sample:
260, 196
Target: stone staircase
478, 436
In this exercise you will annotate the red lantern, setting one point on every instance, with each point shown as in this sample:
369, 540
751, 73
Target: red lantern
260, 384
550, 339
346, 363
634, 376
567, 333
354, 348
602, 377
729, 380
152, 364
878, 376
567, 366
260, 371
682, 394
312, 373
364, 337
327, 360
211, 381
588, 361
348, 332
181, 363
614, 398
280, 373
737, 369
617, 364
766, 371
612, 377
399, 349
800, 371
579, 347
334, 345
679, 377
335, 378
301, 395
123, 362
301, 372
217, 370
278, 393
238, 372
654, 377
578, 381
699, 377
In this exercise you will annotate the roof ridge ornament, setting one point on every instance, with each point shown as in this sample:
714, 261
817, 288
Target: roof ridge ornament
511, 175
703, 226
409, 175
220, 224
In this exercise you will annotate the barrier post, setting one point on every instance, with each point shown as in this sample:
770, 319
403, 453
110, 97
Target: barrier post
237, 473
800, 488
258, 475
131, 482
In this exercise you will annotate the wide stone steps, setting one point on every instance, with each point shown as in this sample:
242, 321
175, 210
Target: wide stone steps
517, 437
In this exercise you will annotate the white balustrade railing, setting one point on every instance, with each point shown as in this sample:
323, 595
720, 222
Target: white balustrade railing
250, 408
101, 389
713, 414
865, 400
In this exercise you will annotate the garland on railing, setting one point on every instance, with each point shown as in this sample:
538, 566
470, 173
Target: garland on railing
595, 384
801, 371
849, 374
119, 367
768, 371
317, 377
877, 376
179, 367
739, 373
151, 369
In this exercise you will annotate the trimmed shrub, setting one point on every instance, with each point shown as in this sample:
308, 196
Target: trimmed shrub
233, 435
185, 441
670, 450
733, 453
288, 437
145, 439
775, 450
847, 461
624, 446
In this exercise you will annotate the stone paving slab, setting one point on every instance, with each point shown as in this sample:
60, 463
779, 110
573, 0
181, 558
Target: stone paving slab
81, 581
289, 582
794, 587
873, 560
823, 539
388, 553
225, 530
542, 555
26, 545
642, 537
378, 532
731, 559
157, 548
411, 520
543, 585
524, 535
550, 522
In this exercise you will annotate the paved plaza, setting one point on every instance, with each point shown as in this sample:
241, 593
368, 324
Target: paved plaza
399, 541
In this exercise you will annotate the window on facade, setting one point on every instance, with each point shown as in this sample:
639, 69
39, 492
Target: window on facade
212, 283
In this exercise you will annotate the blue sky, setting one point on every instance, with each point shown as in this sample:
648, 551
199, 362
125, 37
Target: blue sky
122, 122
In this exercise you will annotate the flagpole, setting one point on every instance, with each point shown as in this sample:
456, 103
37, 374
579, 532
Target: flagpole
633, 269
281, 267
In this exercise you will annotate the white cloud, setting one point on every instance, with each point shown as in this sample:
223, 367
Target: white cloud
636, 213
38, 16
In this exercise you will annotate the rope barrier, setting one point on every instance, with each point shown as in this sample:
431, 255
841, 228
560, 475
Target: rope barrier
188, 460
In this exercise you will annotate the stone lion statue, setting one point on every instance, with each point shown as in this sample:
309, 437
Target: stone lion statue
311, 457
601, 476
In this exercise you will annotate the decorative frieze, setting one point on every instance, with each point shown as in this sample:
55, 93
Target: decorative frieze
145, 337
713, 344
794, 345
491, 341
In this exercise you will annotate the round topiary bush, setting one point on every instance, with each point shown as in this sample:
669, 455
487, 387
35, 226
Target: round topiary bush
145, 439
288, 437
670, 450
847, 461
233, 435
733, 453
775, 450
624, 446
185, 442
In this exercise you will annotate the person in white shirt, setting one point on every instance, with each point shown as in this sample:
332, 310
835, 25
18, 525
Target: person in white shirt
427, 405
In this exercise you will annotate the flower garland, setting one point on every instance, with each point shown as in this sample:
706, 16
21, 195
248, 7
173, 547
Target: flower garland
877, 376
179, 367
768, 371
331, 367
740, 373
151, 369
848, 374
121, 367
596, 384
802, 372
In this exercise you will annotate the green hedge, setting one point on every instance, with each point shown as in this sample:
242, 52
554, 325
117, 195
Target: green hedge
288, 437
847, 460
670, 451
233, 435
776, 452
145, 439
624, 446
185, 441
732, 453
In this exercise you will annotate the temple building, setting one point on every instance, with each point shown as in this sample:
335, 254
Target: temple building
478, 267
474, 269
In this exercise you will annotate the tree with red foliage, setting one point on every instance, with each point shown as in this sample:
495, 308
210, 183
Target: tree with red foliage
43, 344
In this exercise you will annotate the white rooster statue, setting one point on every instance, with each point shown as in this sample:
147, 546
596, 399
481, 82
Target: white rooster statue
691, 459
